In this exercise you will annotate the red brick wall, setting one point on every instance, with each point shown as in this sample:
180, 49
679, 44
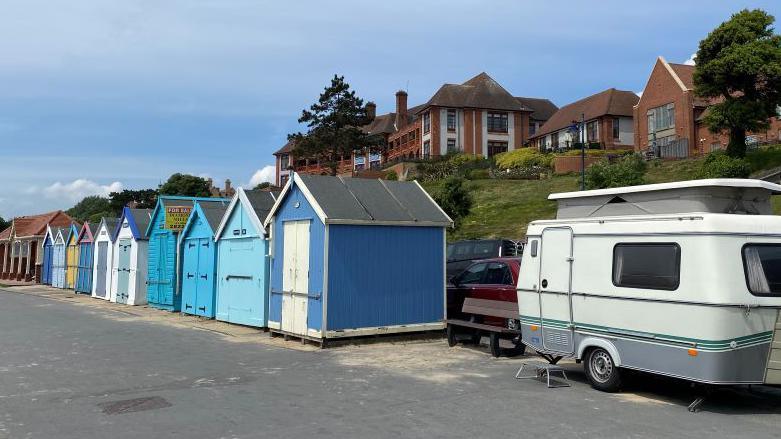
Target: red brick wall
435, 132
663, 89
569, 164
469, 126
518, 129
478, 132
705, 138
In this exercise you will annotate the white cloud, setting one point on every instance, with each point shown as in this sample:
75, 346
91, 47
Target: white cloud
265, 174
78, 189
690, 61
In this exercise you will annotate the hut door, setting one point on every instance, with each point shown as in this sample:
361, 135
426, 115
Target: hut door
123, 271
295, 278
555, 289
100, 274
205, 290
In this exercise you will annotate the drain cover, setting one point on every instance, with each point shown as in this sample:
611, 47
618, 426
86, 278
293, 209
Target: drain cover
134, 405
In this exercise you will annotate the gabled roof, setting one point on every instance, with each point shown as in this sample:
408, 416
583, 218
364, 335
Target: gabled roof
286, 149
35, 225
87, 232
257, 204
137, 219
110, 224
73, 230
211, 211
482, 91
363, 201
610, 102
59, 234
542, 109
164, 201
51, 233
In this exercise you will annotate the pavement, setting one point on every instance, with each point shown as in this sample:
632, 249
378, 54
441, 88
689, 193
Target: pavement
76, 367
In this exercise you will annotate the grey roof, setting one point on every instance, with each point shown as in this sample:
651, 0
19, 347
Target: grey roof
360, 199
93, 228
142, 217
214, 211
543, 108
111, 223
262, 201
482, 91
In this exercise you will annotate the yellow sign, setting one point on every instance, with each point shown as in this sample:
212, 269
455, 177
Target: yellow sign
176, 217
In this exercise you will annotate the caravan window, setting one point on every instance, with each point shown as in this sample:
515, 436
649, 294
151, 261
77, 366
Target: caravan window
762, 268
652, 266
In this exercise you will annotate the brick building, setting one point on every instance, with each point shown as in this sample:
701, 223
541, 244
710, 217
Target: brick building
668, 116
21, 245
608, 122
476, 117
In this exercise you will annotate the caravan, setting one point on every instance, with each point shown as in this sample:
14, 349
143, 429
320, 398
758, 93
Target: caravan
679, 279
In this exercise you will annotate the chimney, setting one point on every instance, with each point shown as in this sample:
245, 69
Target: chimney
401, 109
228, 190
371, 110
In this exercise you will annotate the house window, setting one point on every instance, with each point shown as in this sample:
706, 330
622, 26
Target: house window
554, 140
283, 179
284, 162
592, 129
412, 134
495, 147
661, 118
651, 266
426, 122
532, 128
426, 149
616, 128
451, 120
451, 145
762, 267
497, 122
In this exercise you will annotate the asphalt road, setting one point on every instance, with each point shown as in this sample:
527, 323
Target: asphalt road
71, 370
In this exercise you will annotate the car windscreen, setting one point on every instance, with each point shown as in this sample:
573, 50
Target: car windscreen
762, 267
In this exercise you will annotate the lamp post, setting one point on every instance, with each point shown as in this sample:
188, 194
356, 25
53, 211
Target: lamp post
580, 128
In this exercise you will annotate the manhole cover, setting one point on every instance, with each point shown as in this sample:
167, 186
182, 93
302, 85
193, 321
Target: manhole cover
134, 405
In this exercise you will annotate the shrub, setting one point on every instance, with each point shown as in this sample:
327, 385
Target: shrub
524, 173
391, 176
627, 171
719, 165
598, 152
451, 165
478, 174
522, 158
454, 199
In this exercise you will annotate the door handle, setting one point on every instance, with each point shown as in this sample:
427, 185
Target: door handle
202, 308
187, 306
190, 275
204, 276
545, 283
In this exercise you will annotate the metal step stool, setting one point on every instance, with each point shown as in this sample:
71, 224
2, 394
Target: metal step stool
544, 370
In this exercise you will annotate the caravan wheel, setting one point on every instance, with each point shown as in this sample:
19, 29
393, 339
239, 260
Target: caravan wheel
601, 370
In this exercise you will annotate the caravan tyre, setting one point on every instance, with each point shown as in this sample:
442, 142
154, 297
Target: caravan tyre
452, 338
601, 370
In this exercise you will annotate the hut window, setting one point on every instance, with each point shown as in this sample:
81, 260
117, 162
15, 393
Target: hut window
762, 268
651, 266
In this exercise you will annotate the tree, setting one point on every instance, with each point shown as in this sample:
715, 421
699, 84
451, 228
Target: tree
454, 199
627, 171
144, 199
264, 185
186, 185
334, 127
91, 209
739, 66
4, 224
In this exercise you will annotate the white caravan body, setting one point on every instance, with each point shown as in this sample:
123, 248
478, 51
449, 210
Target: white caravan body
679, 279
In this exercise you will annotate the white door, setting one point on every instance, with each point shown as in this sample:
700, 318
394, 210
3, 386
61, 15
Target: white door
555, 289
295, 277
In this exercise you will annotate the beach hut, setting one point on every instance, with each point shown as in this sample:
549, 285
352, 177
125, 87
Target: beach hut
48, 249
58, 257
71, 255
104, 258
84, 270
168, 219
353, 257
199, 258
242, 259
129, 269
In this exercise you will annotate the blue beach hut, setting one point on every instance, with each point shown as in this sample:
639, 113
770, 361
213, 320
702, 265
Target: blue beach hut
58, 257
85, 241
199, 258
48, 254
242, 259
168, 219
353, 257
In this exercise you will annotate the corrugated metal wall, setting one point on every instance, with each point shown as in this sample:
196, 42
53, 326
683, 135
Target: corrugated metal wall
384, 275
288, 212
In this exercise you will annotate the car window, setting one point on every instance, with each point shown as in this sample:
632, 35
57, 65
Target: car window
485, 250
473, 274
464, 250
450, 250
498, 274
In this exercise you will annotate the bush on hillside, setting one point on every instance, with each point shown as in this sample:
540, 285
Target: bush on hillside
522, 158
627, 171
451, 165
598, 152
391, 176
454, 199
478, 174
720, 165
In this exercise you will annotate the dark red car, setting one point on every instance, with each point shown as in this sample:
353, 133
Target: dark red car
482, 300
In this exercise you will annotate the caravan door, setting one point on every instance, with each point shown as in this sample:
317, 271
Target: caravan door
555, 290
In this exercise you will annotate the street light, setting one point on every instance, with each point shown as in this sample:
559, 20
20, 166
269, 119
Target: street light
579, 127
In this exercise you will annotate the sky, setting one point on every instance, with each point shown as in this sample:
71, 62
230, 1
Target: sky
97, 96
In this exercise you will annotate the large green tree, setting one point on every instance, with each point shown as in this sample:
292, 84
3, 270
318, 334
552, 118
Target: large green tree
144, 199
4, 224
91, 209
738, 65
454, 198
185, 185
334, 127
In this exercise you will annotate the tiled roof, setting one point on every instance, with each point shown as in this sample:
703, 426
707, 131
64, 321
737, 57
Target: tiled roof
685, 73
285, 149
543, 108
482, 91
35, 225
610, 102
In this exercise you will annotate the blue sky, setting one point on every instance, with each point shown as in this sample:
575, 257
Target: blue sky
99, 95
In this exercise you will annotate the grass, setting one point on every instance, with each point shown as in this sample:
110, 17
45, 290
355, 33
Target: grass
504, 208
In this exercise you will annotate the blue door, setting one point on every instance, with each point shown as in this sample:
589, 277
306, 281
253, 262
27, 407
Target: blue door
190, 285
46, 269
84, 269
123, 270
242, 294
161, 272
205, 290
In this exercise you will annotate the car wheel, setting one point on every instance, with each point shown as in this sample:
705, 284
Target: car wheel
496, 351
452, 340
601, 371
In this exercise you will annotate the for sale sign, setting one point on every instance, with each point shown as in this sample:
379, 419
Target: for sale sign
176, 217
